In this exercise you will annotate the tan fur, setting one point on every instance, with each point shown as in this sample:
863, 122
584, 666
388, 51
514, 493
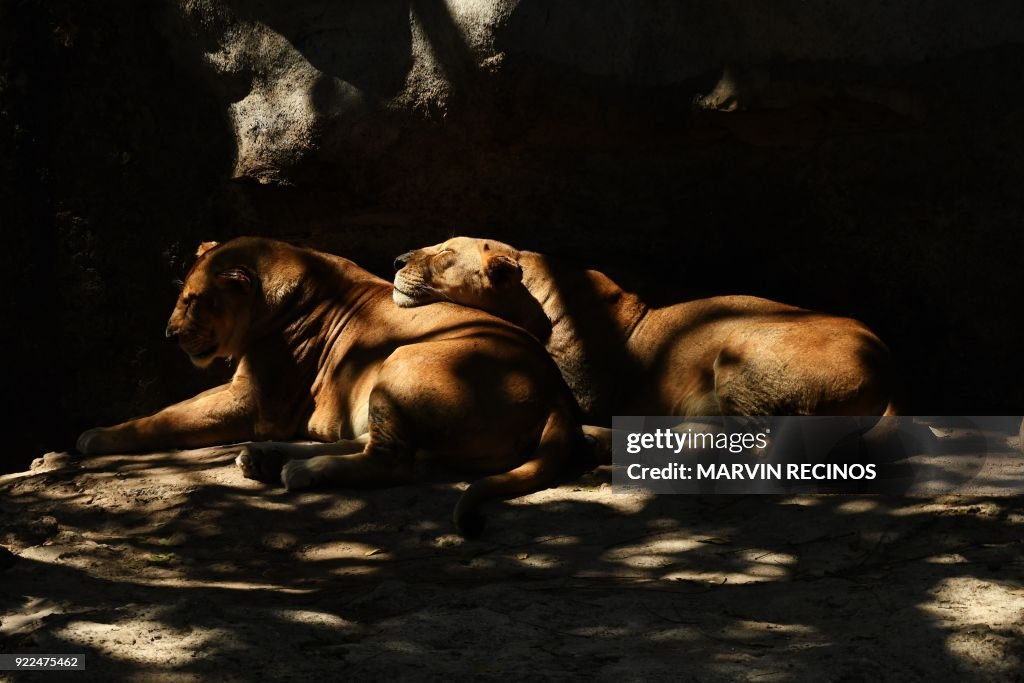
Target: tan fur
737, 355
324, 354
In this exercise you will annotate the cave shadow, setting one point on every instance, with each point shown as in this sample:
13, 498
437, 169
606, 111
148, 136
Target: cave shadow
106, 144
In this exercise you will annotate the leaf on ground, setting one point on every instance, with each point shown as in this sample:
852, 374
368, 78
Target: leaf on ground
172, 540
161, 558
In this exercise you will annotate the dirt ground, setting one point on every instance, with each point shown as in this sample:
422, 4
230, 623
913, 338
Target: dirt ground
171, 567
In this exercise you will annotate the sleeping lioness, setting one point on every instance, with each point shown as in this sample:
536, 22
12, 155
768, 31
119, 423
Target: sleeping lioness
727, 355
324, 354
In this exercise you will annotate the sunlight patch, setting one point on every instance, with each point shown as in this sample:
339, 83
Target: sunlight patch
538, 561
758, 574
764, 556
667, 546
140, 640
856, 506
974, 600
326, 552
325, 619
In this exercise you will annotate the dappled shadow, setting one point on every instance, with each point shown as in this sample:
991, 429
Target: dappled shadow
174, 563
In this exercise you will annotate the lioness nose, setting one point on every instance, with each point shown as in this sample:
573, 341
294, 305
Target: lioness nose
170, 331
402, 260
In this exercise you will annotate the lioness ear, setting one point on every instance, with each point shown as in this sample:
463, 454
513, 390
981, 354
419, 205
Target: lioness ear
205, 247
236, 275
503, 271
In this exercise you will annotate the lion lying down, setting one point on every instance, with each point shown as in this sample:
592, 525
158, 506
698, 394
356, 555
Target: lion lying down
731, 355
324, 354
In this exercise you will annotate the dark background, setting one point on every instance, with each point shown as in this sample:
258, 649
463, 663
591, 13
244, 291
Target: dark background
867, 162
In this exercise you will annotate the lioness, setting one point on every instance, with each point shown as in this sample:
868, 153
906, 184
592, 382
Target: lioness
324, 354
727, 355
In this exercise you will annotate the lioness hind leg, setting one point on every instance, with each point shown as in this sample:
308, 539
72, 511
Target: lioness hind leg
387, 459
263, 460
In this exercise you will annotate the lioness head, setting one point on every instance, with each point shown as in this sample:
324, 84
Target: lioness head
213, 311
465, 270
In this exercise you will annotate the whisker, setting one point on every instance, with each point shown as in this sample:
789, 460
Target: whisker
432, 290
421, 286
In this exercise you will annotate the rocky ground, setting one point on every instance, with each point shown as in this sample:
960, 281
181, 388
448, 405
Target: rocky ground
171, 566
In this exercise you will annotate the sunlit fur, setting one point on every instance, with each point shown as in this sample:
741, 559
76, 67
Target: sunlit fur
211, 317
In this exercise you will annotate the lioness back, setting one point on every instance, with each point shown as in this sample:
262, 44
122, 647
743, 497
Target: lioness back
751, 356
733, 354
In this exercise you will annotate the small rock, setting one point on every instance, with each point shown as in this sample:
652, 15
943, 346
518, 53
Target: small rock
52, 461
279, 541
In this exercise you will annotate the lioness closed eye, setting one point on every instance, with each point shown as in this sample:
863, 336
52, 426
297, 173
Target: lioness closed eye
736, 355
324, 354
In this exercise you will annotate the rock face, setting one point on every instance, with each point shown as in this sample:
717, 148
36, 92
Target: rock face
326, 80
861, 158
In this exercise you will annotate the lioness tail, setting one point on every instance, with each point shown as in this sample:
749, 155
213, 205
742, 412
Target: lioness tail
552, 457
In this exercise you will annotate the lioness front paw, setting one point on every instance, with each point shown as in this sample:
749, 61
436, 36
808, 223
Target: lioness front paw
299, 474
97, 441
260, 462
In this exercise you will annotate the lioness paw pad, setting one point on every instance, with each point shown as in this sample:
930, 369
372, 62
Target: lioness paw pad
245, 463
94, 441
261, 464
